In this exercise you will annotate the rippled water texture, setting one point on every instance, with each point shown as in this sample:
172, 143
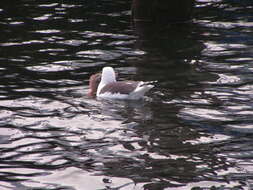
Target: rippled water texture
193, 131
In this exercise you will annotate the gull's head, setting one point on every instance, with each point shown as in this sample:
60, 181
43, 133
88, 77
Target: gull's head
108, 75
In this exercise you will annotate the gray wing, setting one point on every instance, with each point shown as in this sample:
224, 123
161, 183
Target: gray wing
120, 87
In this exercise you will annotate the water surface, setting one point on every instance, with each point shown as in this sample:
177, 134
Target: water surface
193, 131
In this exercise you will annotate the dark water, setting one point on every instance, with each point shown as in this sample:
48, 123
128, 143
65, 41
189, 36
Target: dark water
194, 131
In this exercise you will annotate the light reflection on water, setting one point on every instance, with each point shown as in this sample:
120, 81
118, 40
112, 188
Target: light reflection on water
193, 130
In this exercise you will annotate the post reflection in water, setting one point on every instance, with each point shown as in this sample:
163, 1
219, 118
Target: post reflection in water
192, 131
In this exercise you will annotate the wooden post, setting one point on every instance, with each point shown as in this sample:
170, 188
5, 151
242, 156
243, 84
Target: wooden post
162, 11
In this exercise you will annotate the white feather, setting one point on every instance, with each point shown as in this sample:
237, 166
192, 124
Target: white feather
108, 76
141, 89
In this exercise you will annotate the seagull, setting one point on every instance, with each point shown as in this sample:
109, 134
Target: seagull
104, 85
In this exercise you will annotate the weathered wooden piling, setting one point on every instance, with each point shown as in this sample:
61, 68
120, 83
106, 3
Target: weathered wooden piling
162, 11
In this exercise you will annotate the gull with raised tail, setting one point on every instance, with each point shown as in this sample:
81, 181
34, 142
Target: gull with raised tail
104, 85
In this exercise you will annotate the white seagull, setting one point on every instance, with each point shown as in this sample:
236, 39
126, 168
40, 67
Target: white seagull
105, 86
